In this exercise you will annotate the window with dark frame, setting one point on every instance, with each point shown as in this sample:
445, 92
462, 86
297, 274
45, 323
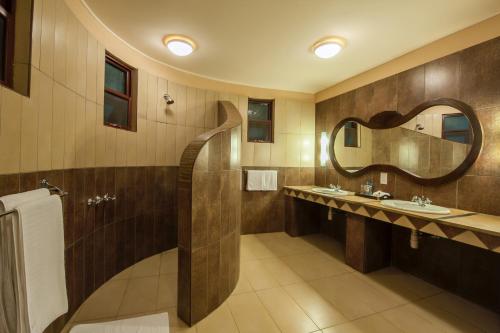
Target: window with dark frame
456, 127
351, 136
260, 120
7, 34
117, 93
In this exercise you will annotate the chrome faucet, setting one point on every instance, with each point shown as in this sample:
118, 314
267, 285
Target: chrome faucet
336, 188
421, 200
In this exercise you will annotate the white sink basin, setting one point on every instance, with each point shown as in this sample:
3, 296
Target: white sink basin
329, 191
414, 207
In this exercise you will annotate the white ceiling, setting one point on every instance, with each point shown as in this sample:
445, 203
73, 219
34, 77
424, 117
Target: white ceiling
265, 43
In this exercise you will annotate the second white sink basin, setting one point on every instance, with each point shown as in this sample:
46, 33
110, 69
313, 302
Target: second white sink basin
414, 207
329, 191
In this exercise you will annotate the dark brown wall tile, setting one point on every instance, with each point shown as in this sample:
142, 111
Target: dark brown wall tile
442, 77
411, 89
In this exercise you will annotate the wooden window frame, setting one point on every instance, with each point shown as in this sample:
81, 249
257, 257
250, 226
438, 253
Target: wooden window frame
10, 15
268, 123
356, 129
468, 131
114, 61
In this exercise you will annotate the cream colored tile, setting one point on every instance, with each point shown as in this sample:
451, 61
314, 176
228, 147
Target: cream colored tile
60, 94
293, 150
71, 51
60, 42
250, 315
315, 306
81, 60
170, 146
252, 248
101, 56
104, 302
147, 267
371, 324
36, 33
171, 110
91, 88
152, 96
142, 142
121, 148
176, 324
280, 116
100, 138
167, 291
10, 131
262, 154
307, 150
243, 286
29, 128
247, 153
200, 108
281, 244
315, 265
307, 118
69, 131
123, 275
181, 102
220, 320
80, 143
90, 124
278, 150
257, 275
211, 109
180, 142
47, 37
151, 142
286, 313
45, 123
161, 144
280, 271
190, 134
140, 296
191, 95
161, 106
293, 110
142, 94
131, 148
169, 262
110, 146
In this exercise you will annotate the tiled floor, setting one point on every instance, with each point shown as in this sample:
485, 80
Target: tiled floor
294, 285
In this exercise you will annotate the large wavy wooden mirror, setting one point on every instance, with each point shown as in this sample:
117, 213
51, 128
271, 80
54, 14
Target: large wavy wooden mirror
435, 143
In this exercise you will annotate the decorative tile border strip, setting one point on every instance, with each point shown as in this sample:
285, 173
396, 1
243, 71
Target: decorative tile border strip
426, 225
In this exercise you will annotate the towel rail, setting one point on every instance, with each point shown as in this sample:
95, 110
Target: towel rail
44, 184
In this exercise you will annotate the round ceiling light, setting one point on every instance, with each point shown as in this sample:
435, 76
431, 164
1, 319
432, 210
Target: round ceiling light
179, 45
328, 47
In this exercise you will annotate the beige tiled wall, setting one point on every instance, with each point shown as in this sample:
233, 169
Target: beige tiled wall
61, 125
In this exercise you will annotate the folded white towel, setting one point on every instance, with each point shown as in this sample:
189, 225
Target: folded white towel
42, 244
157, 323
262, 180
13, 313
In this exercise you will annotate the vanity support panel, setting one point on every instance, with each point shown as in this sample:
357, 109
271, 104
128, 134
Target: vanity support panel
367, 243
302, 217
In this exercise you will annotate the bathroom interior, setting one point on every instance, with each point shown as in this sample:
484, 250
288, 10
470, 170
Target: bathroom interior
249, 166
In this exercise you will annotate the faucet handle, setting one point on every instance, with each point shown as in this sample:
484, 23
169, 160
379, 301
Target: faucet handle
427, 201
108, 198
415, 198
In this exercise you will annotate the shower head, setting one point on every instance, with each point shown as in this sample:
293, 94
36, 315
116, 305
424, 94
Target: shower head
168, 99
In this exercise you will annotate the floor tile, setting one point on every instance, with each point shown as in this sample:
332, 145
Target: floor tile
323, 313
147, 267
252, 248
286, 313
220, 320
169, 264
280, 271
243, 286
371, 324
167, 291
123, 275
282, 245
104, 302
140, 296
258, 276
315, 265
250, 315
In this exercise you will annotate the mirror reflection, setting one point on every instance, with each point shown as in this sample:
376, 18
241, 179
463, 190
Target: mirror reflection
430, 145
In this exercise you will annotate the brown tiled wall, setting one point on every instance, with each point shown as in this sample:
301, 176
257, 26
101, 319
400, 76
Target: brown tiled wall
265, 211
101, 241
472, 76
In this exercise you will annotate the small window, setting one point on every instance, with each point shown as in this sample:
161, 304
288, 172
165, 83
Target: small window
456, 127
351, 134
7, 32
118, 94
260, 120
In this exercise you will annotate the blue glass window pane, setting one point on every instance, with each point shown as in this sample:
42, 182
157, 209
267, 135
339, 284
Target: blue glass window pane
455, 123
259, 133
115, 78
115, 110
458, 137
259, 111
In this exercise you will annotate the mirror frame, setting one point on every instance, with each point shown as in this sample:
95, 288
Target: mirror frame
391, 119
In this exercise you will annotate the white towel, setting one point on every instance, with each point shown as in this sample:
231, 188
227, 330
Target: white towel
11, 310
262, 180
157, 323
42, 243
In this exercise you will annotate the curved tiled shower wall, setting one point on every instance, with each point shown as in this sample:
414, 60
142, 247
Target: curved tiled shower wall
209, 217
